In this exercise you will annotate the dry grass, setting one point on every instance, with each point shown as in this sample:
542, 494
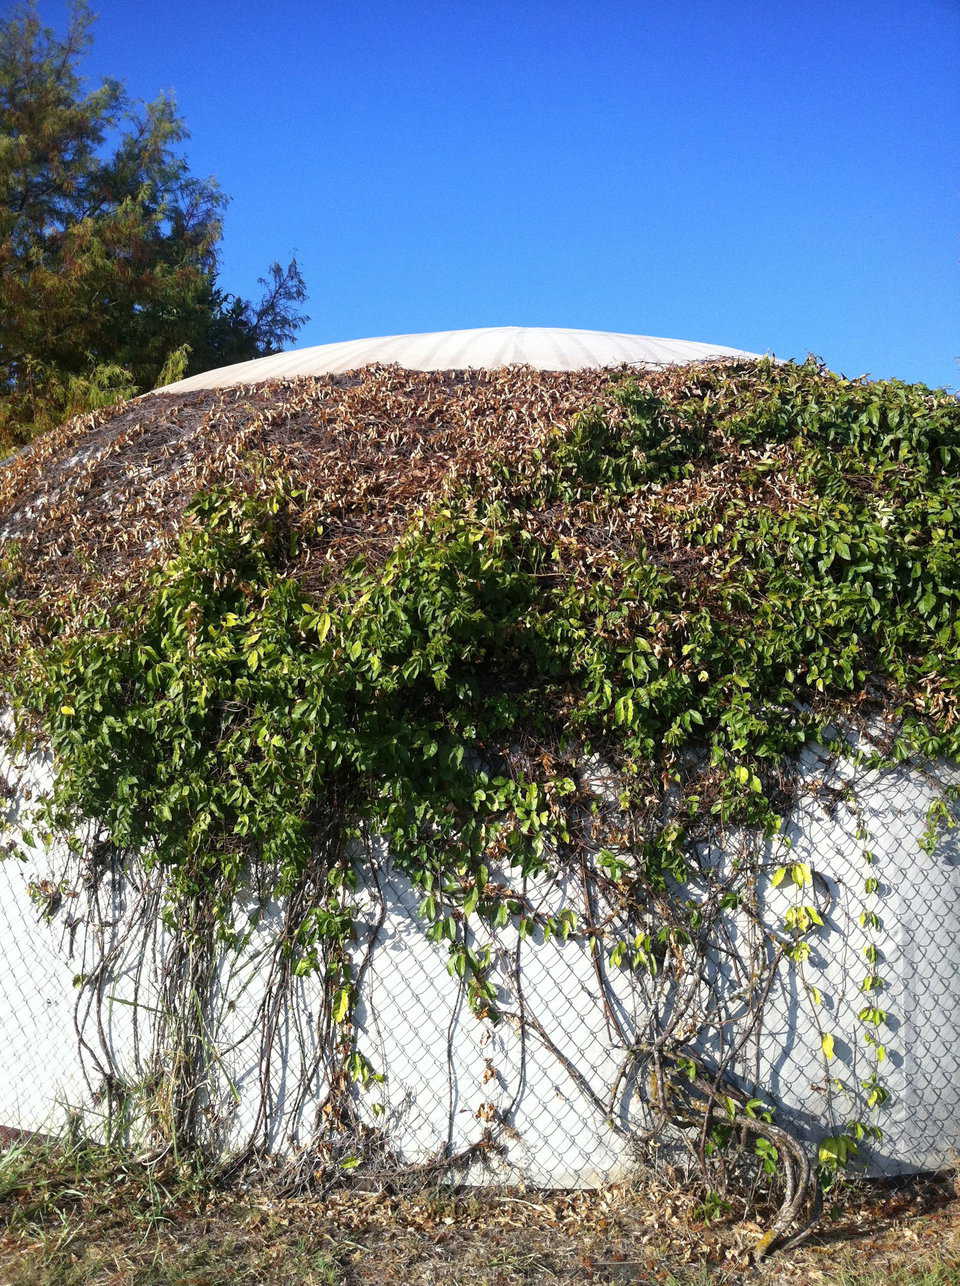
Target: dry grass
85, 1217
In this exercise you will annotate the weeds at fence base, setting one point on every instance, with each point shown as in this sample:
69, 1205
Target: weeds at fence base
72, 1216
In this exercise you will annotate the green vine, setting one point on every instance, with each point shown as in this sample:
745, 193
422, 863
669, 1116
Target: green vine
600, 656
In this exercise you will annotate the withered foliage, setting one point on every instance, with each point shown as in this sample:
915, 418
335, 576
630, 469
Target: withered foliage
93, 507
98, 503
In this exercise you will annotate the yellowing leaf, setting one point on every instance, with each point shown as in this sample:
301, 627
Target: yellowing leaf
826, 1044
67, 710
342, 1005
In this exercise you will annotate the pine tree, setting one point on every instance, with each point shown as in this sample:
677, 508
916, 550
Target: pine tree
108, 244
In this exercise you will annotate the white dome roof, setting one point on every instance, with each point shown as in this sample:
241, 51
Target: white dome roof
546, 348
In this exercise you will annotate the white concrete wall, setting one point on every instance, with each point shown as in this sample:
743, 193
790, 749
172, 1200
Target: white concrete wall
448, 1071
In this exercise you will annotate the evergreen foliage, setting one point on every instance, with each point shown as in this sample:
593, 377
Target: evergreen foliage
108, 244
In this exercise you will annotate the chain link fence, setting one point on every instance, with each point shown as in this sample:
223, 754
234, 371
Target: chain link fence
555, 1081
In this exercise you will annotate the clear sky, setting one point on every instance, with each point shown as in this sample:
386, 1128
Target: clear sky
771, 176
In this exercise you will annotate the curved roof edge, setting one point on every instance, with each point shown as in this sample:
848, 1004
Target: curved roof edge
487, 348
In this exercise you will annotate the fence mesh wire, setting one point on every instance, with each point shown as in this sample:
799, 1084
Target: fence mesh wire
542, 1084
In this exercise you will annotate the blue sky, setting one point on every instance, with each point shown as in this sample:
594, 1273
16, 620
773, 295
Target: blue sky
769, 176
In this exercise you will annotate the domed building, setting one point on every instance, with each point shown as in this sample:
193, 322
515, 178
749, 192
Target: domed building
101, 505
487, 348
